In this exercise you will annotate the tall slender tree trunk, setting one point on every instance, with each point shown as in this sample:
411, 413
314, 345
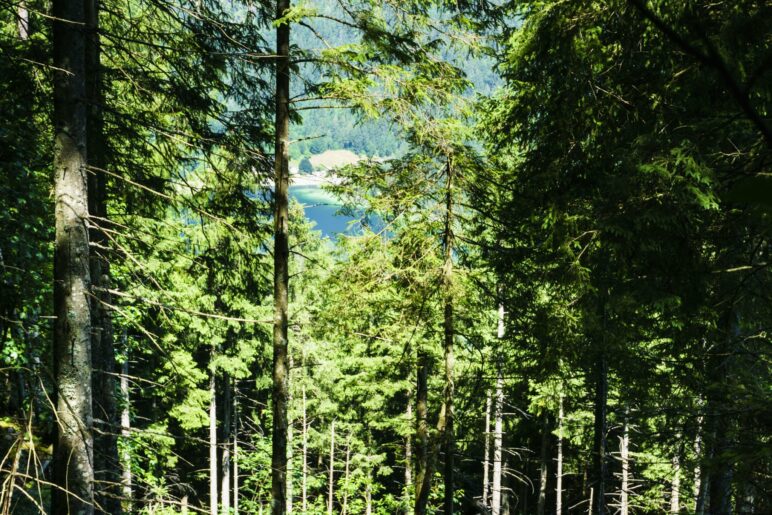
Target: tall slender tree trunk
718, 400
699, 483
600, 445
73, 460
225, 486
449, 442
423, 478
212, 442
545, 433
235, 448
281, 268
346, 475
331, 480
290, 436
486, 451
498, 422
675, 483
126, 479
105, 411
624, 453
559, 472
408, 452
305, 448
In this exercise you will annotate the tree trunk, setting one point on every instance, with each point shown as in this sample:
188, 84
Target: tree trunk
675, 484
235, 448
305, 452
408, 452
423, 478
290, 435
212, 442
542, 503
281, 268
126, 479
700, 485
498, 427
486, 452
331, 484
105, 411
73, 449
346, 476
559, 473
449, 442
225, 486
600, 445
22, 21
624, 453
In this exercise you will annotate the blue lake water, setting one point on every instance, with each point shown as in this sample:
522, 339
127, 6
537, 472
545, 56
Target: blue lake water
322, 208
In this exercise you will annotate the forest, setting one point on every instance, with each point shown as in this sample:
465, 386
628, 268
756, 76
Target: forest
554, 295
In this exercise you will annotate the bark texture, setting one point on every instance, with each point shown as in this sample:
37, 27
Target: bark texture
281, 268
73, 460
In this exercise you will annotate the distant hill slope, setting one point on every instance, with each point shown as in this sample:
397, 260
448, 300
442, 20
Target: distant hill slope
340, 129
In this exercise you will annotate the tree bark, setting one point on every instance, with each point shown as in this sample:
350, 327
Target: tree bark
675, 484
346, 476
331, 481
423, 477
559, 472
73, 460
22, 20
225, 486
498, 426
624, 453
106, 461
212, 442
126, 479
542, 502
305, 448
700, 485
486, 452
449, 442
281, 267
600, 445
408, 452
235, 448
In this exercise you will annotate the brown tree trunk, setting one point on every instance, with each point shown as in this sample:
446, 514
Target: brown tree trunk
106, 461
73, 449
449, 442
281, 268
423, 477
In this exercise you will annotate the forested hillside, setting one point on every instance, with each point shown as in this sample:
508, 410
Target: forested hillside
554, 297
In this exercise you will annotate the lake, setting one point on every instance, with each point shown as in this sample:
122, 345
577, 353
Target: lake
321, 207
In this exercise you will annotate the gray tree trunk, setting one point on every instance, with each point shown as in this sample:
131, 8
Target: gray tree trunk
212, 442
331, 480
126, 479
559, 472
225, 481
624, 453
542, 502
498, 418
281, 268
73, 459
486, 452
